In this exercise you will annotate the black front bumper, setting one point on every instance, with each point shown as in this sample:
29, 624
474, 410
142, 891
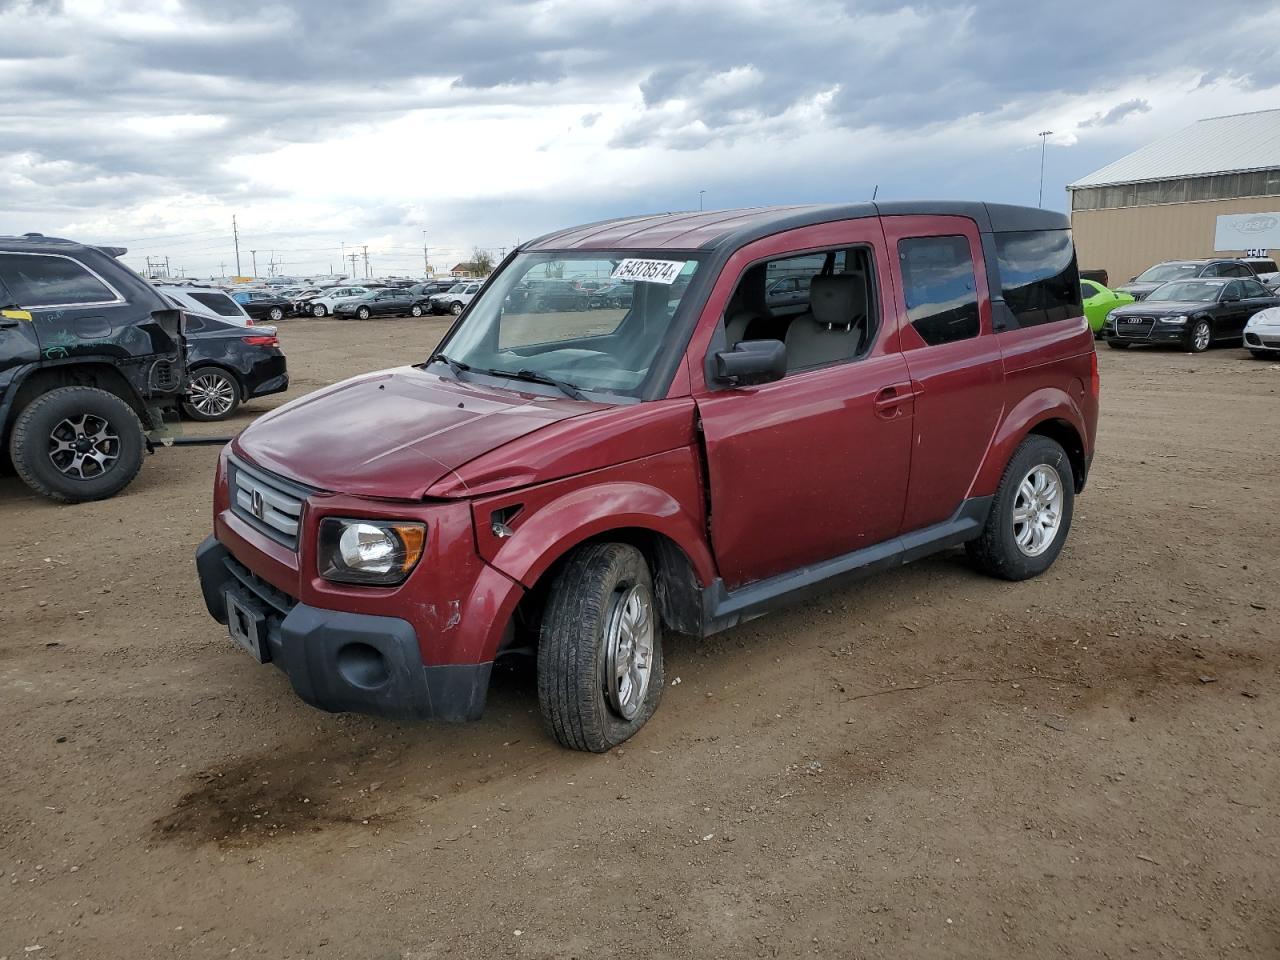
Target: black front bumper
344, 662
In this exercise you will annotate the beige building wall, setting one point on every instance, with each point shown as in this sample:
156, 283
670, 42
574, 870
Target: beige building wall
1126, 241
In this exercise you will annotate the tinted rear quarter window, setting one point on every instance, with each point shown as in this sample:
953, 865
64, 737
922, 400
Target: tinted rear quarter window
43, 281
939, 287
219, 303
1038, 275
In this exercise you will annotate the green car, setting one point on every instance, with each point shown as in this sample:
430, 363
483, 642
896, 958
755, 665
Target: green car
1098, 302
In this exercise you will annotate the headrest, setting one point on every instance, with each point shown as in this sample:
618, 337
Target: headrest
838, 299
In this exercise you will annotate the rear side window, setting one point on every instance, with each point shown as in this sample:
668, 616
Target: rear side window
940, 288
219, 303
43, 281
1038, 275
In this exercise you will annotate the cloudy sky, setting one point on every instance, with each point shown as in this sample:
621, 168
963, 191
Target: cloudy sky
326, 126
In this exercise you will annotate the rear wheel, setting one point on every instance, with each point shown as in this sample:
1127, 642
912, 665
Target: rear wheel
1200, 336
455, 308
1030, 515
214, 395
600, 648
76, 444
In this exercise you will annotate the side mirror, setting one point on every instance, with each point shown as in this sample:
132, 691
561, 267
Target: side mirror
752, 362
1133, 280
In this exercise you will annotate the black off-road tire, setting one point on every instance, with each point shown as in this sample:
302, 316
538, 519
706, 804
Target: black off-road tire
1118, 345
571, 648
996, 552
29, 444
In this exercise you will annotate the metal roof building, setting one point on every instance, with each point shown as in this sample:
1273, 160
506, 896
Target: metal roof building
1212, 183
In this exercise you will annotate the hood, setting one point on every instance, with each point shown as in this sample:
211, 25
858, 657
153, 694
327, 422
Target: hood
1138, 290
1166, 308
1266, 318
395, 433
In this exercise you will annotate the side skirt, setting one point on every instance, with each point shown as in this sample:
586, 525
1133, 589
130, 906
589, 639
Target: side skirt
722, 609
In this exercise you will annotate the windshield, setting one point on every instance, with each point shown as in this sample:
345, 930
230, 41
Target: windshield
1188, 290
535, 319
1168, 271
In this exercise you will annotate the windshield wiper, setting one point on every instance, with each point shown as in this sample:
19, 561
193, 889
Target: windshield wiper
456, 366
532, 376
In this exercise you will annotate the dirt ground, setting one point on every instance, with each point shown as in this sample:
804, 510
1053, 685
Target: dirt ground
930, 764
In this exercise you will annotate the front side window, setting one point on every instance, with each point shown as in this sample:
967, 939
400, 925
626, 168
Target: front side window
532, 322
43, 281
1038, 275
940, 288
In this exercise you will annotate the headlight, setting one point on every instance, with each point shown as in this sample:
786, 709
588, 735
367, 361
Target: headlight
1111, 317
369, 551
1176, 321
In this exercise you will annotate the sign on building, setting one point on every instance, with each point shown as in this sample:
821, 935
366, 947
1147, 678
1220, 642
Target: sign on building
1247, 231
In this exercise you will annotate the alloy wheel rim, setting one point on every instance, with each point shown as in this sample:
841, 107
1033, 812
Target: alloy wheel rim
1037, 510
211, 394
629, 643
1201, 335
84, 447
317, 311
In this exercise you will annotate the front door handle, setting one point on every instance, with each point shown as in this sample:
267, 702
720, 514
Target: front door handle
891, 398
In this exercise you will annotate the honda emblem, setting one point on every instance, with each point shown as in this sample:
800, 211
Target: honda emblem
259, 508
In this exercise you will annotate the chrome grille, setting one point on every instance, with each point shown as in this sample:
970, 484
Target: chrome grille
266, 502
1134, 328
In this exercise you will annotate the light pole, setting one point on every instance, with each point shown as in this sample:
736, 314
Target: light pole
1043, 135
700, 193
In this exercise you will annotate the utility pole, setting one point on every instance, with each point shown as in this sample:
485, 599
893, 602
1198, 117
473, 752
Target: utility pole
1044, 136
353, 257
166, 266
254, 254
236, 233
700, 193
148, 268
426, 260
365, 248
222, 267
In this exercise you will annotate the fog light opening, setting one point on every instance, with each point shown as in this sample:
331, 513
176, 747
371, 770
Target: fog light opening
363, 666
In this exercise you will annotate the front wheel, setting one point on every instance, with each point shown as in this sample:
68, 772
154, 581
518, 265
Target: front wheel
1030, 514
1199, 336
76, 444
455, 308
363, 313
214, 395
600, 648
415, 311
319, 310
276, 314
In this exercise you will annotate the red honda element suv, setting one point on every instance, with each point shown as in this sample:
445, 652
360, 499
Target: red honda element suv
575, 482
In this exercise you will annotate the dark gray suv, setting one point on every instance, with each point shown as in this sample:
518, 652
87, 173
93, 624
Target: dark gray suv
91, 359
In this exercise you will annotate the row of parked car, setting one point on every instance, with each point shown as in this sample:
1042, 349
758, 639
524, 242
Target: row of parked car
1192, 304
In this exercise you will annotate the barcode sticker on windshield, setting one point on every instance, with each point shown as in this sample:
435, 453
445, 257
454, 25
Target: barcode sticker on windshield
648, 271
